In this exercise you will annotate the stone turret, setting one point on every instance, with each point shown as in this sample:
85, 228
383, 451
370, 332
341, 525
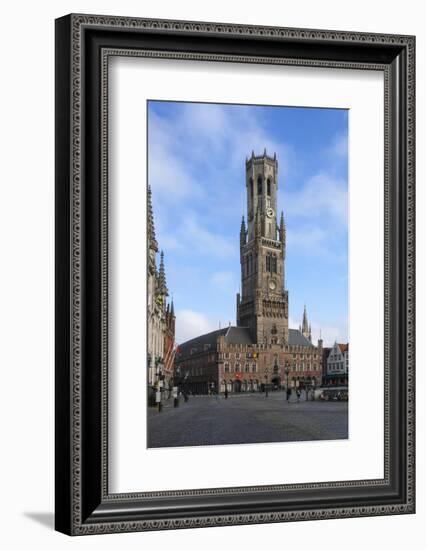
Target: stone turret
162, 285
282, 230
152, 241
243, 233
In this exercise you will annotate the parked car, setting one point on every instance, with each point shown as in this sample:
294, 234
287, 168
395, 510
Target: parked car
334, 394
343, 395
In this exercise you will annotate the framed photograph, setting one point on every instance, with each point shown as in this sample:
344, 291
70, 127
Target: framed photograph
234, 274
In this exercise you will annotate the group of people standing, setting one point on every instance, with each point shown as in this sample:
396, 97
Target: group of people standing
298, 394
288, 393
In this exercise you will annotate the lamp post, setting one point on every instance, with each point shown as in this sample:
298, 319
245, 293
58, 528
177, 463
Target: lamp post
287, 390
276, 369
287, 372
176, 378
266, 382
159, 382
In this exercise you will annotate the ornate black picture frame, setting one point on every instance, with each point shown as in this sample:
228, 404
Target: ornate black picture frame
83, 45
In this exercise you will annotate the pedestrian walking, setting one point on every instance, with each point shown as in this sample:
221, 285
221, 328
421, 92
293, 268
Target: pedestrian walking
298, 392
288, 394
226, 392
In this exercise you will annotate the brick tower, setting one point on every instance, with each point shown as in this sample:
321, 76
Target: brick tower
263, 303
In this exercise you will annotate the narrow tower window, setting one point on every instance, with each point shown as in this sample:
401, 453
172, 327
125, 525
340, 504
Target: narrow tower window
251, 189
259, 185
268, 187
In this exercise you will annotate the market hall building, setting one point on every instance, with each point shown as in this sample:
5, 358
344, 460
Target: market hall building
261, 349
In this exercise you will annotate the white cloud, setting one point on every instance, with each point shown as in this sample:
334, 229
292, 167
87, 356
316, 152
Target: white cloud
168, 173
204, 241
189, 235
336, 331
223, 279
339, 146
312, 239
179, 149
190, 324
198, 131
322, 196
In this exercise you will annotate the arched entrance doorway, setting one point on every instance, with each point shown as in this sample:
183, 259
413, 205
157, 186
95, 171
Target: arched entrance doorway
237, 386
276, 382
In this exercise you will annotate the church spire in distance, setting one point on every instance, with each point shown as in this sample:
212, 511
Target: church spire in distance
152, 241
306, 327
162, 286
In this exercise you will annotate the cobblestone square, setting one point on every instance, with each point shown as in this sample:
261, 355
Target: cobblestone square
246, 418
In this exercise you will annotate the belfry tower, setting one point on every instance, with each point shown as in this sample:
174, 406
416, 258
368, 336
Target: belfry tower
263, 303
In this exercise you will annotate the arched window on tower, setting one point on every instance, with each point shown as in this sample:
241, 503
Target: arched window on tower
268, 187
251, 189
274, 264
259, 185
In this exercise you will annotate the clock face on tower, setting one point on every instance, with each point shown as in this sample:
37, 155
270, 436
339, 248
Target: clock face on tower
272, 284
270, 212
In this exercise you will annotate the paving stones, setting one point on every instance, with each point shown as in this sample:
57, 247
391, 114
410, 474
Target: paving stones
246, 418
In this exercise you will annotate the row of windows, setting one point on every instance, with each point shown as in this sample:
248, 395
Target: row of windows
247, 367
337, 357
229, 367
249, 355
271, 264
303, 366
336, 366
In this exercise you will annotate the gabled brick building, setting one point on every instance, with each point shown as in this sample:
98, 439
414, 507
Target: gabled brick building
337, 365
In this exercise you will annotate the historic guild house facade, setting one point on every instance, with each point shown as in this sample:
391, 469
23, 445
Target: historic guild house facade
261, 349
160, 316
336, 370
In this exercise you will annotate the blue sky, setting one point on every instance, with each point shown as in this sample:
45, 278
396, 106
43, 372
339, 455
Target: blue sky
196, 169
